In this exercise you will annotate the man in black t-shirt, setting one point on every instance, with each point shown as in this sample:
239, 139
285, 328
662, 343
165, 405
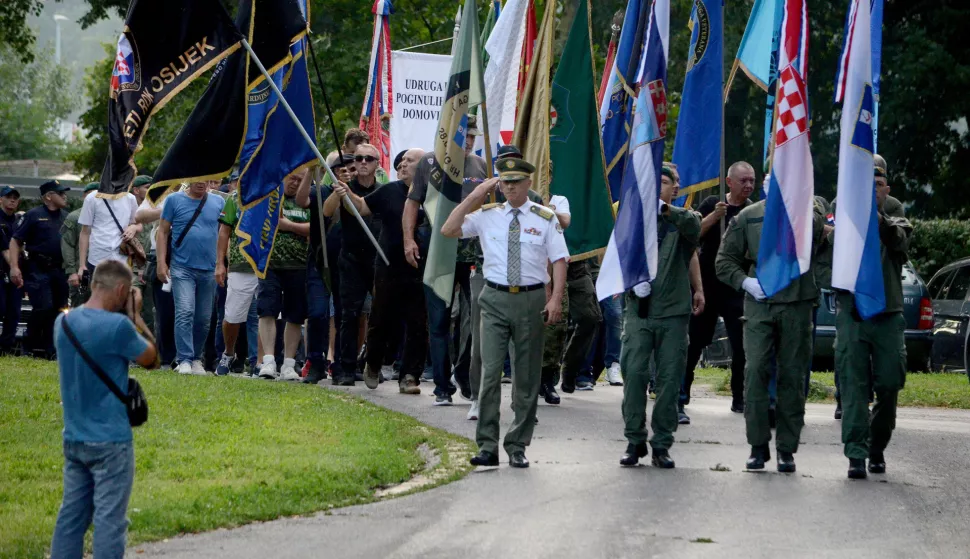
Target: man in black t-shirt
356, 262
721, 300
398, 287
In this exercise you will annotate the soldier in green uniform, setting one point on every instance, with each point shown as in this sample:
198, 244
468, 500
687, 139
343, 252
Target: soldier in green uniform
78, 288
519, 239
779, 327
876, 345
655, 325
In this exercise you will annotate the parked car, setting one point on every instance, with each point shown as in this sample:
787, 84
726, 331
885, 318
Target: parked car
918, 310
949, 289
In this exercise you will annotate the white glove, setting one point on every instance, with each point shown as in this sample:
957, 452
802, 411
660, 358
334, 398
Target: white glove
753, 287
767, 184
642, 289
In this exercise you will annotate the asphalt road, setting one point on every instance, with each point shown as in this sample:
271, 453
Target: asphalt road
576, 501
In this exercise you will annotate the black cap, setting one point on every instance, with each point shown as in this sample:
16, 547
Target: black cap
399, 158
8, 191
52, 186
508, 150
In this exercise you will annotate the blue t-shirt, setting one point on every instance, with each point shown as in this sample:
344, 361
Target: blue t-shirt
198, 249
92, 414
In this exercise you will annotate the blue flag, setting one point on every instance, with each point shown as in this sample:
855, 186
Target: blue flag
273, 150
697, 146
616, 110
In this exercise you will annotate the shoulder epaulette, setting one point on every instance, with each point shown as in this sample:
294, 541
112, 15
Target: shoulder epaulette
544, 213
487, 207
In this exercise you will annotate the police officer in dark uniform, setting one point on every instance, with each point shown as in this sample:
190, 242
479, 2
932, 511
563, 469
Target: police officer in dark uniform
42, 274
10, 294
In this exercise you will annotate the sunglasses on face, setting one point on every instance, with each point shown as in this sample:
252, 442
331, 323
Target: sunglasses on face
365, 158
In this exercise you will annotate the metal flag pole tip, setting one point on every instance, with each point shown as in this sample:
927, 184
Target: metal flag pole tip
289, 110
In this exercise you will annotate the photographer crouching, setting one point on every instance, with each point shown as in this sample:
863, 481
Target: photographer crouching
95, 344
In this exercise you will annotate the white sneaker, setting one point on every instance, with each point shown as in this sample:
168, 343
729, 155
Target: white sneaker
198, 368
185, 368
268, 369
613, 375
473, 412
288, 371
389, 373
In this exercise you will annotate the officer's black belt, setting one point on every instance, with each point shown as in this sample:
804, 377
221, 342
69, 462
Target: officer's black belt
514, 288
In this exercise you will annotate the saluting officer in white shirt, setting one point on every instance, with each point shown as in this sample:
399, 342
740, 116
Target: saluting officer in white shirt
519, 239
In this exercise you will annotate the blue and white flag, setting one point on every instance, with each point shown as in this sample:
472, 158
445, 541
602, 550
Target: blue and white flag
697, 146
631, 257
616, 110
857, 263
785, 252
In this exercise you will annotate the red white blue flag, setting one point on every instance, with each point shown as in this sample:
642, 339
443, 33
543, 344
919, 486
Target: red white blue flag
786, 237
631, 257
379, 99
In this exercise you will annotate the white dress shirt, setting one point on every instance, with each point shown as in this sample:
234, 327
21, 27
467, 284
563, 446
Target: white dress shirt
541, 241
559, 204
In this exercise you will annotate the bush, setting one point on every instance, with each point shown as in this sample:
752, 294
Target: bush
936, 243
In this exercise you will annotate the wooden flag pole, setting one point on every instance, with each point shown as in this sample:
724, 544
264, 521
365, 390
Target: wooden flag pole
348, 205
488, 147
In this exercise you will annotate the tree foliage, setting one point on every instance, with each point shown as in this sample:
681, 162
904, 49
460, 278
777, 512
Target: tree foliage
923, 105
35, 95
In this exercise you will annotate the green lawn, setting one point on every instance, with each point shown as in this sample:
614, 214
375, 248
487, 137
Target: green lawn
933, 390
216, 452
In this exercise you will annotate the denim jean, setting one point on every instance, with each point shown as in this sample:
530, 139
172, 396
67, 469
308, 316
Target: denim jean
193, 291
606, 350
439, 320
97, 485
318, 315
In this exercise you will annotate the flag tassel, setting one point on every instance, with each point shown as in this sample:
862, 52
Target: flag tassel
289, 110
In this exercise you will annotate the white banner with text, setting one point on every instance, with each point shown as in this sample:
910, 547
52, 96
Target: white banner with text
420, 85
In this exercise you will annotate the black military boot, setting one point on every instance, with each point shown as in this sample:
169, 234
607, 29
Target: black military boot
550, 395
857, 468
662, 459
877, 463
633, 454
759, 455
786, 462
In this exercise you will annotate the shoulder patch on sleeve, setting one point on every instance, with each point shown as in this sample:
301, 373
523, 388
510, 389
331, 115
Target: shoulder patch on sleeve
487, 207
542, 212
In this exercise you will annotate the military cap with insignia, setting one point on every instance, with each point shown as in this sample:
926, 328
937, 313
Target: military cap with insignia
512, 169
881, 167
52, 186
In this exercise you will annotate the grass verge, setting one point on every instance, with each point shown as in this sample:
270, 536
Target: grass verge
929, 390
216, 452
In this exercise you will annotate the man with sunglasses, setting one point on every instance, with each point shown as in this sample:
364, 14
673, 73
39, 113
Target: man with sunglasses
43, 277
356, 262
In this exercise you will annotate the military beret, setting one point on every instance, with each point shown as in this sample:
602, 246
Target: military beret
399, 158
508, 150
91, 186
141, 180
668, 172
512, 169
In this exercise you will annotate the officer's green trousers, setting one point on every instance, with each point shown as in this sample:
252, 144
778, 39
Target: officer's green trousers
878, 343
510, 321
666, 340
782, 330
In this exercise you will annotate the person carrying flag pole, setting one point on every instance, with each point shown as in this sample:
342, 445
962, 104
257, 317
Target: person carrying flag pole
768, 251
869, 253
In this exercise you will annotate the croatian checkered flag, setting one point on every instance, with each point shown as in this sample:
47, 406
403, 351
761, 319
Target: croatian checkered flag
786, 238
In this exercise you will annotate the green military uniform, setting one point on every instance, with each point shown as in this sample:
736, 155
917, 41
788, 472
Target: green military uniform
70, 252
657, 327
518, 243
877, 345
778, 327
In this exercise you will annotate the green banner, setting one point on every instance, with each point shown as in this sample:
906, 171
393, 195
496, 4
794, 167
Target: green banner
575, 145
